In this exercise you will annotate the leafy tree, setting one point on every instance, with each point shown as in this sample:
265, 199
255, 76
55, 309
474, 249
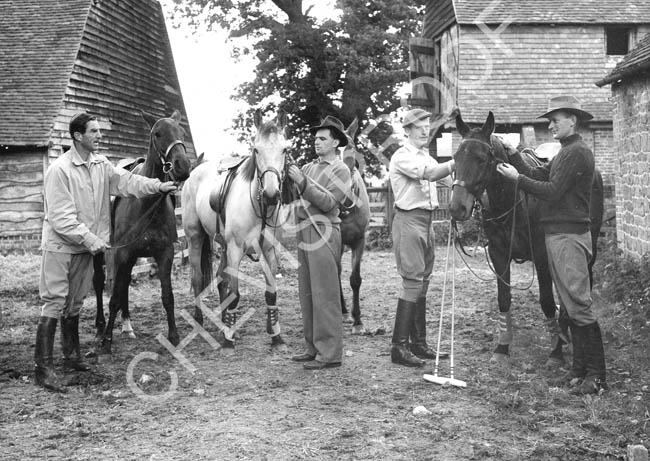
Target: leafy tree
349, 67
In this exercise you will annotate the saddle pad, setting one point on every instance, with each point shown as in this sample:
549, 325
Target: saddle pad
230, 162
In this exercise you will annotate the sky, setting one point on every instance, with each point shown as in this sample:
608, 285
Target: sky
208, 77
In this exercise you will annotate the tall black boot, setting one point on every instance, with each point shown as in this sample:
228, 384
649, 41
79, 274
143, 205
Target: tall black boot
578, 369
594, 353
44, 374
400, 353
70, 344
418, 333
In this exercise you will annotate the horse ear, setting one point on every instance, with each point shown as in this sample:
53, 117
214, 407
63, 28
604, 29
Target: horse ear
351, 130
488, 126
461, 126
176, 116
258, 118
282, 119
150, 119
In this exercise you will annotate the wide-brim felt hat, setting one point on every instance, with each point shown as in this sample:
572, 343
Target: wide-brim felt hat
336, 126
414, 116
568, 104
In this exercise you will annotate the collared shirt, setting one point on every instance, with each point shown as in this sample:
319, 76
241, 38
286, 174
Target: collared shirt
328, 184
409, 171
77, 200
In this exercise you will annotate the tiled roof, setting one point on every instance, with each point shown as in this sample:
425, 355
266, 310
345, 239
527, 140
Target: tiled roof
39, 40
552, 11
632, 64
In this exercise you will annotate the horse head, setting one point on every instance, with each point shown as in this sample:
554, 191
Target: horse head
269, 155
167, 151
475, 166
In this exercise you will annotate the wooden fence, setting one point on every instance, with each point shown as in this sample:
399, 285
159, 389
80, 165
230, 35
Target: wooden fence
382, 206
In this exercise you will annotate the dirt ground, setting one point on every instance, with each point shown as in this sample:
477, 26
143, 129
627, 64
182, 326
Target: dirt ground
255, 404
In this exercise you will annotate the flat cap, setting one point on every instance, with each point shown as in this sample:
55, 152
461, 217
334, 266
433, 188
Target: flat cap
413, 116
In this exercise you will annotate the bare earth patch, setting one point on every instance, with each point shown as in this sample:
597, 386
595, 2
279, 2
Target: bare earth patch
259, 405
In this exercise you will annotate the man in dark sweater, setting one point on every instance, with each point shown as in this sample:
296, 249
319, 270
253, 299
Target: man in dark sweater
564, 187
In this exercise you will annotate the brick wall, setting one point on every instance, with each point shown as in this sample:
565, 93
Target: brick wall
632, 144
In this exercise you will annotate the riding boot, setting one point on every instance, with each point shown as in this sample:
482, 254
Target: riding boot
594, 354
400, 353
70, 344
44, 374
578, 370
418, 333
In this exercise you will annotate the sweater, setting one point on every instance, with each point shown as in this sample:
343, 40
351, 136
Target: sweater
563, 185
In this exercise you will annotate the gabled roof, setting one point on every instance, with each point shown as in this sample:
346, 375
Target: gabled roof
39, 41
551, 11
111, 58
633, 64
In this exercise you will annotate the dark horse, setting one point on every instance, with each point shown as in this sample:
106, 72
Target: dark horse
476, 161
147, 227
354, 224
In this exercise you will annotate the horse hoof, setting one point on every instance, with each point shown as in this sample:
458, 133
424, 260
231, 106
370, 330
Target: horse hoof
174, 339
501, 359
358, 330
347, 318
553, 363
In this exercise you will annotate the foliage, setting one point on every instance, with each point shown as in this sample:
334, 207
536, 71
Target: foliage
379, 238
349, 67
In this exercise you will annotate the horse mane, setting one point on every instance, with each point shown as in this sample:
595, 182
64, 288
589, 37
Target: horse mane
248, 168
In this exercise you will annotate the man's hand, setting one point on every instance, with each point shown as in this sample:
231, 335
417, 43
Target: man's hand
296, 176
98, 246
167, 187
508, 171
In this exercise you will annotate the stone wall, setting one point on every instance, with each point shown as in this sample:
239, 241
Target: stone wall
632, 145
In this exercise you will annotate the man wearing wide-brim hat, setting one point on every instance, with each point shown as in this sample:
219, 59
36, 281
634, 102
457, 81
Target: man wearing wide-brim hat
564, 186
323, 185
413, 174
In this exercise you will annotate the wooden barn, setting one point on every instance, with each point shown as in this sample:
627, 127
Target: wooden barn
111, 58
630, 87
511, 56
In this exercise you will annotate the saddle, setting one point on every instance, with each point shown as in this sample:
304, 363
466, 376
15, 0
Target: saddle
130, 164
217, 200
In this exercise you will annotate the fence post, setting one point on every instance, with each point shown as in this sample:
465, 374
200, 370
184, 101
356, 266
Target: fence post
389, 205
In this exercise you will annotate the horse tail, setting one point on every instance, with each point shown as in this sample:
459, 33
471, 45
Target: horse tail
206, 262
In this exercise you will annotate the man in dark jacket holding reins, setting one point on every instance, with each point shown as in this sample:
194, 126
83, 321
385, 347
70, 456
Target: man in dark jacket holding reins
564, 187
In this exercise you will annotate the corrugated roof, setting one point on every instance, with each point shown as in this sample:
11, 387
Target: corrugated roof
38, 44
552, 11
635, 62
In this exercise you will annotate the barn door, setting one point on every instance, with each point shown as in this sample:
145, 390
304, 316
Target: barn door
424, 64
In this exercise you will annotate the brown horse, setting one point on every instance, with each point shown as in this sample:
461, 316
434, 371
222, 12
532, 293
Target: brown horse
147, 227
511, 223
354, 224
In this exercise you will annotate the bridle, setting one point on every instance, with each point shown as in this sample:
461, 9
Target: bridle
263, 207
167, 166
477, 189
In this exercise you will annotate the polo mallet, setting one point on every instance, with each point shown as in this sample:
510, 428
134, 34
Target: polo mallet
434, 378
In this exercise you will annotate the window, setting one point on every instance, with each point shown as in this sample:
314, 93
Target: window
618, 40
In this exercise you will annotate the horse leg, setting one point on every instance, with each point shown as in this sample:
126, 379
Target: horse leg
165, 261
229, 292
502, 267
549, 308
269, 268
200, 256
99, 282
355, 284
347, 318
118, 299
